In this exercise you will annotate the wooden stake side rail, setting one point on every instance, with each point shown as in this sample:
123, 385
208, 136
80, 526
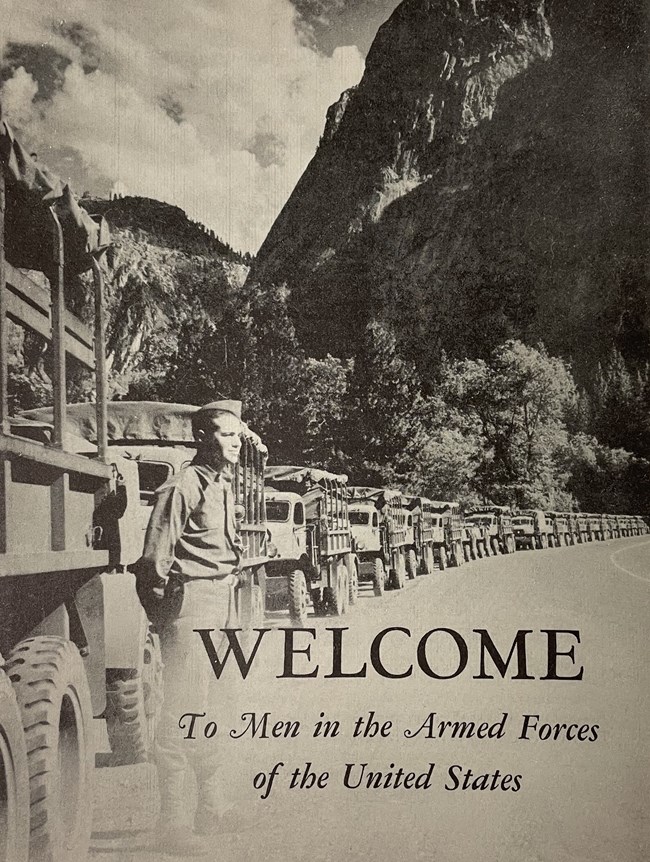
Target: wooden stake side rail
17, 447
29, 304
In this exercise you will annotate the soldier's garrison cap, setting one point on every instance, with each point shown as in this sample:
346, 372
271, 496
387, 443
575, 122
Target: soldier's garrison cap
226, 406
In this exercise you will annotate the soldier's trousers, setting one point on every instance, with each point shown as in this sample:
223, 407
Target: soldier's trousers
190, 686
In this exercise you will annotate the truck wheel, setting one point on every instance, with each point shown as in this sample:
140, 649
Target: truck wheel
442, 558
378, 576
319, 603
428, 561
399, 575
466, 553
544, 542
133, 702
297, 598
14, 779
335, 596
494, 545
353, 594
411, 565
52, 691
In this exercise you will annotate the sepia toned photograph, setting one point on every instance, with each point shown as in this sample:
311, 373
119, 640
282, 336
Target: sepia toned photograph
324, 431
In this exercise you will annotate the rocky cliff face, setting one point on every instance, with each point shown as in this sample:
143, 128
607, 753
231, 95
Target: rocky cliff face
163, 271
483, 181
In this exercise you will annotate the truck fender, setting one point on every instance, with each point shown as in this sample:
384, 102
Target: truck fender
125, 621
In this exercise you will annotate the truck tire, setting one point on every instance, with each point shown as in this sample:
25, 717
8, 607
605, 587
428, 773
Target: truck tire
442, 558
353, 592
54, 699
335, 598
411, 565
319, 603
297, 598
399, 575
133, 702
544, 542
466, 553
429, 563
14, 779
378, 577
494, 545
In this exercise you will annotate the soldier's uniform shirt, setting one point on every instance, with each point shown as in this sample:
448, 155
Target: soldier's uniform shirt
192, 532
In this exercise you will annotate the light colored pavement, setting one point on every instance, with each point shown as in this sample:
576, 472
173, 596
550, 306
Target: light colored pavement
579, 801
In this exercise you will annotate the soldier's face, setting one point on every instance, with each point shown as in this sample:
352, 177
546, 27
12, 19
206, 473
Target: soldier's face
221, 439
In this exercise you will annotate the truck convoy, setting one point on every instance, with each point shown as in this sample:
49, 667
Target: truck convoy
78, 482
325, 567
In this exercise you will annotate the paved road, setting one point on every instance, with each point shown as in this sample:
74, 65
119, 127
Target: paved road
579, 801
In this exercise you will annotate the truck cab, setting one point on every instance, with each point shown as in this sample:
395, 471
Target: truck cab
364, 523
285, 519
523, 527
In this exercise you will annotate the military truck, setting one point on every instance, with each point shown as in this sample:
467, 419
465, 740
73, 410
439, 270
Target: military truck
288, 557
525, 528
330, 569
595, 527
449, 546
497, 521
583, 528
534, 529
561, 531
58, 508
378, 520
428, 534
474, 542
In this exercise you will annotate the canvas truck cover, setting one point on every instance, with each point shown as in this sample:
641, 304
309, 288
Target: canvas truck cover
379, 497
135, 422
309, 482
30, 190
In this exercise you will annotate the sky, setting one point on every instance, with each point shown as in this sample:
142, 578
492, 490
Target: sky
215, 106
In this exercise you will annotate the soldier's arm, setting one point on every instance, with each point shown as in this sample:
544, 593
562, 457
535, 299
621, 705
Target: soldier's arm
175, 501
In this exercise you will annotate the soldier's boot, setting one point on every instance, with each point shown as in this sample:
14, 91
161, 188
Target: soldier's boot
174, 834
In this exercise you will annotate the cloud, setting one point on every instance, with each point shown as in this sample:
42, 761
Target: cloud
214, 105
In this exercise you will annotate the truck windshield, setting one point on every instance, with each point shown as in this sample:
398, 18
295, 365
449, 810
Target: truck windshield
359, 518
277, 510
483, 520
522, 520
151, 475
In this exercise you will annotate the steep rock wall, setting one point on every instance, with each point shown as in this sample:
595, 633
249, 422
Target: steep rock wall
484, 180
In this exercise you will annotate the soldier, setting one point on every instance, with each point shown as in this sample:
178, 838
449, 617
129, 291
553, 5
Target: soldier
186, 580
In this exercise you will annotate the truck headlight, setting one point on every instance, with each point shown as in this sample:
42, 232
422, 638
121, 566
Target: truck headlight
271, 550
361, 546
